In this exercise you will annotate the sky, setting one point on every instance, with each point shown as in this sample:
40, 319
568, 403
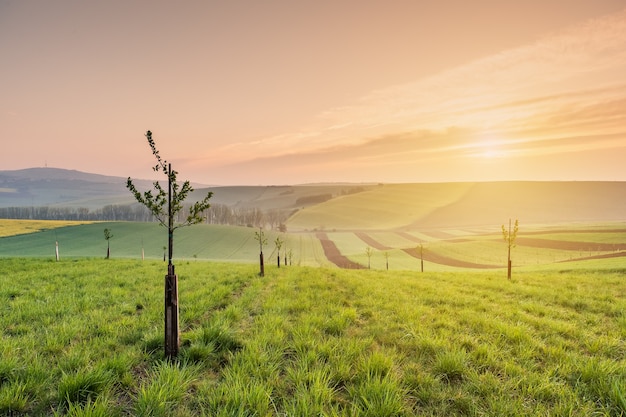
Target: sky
292, 92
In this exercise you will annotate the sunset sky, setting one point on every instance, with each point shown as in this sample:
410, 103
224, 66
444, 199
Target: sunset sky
291, 92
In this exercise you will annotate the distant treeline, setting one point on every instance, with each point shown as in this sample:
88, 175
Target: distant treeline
216, 214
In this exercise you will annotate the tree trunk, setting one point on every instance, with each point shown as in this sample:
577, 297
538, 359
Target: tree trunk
261, 264
171, 284
171, 314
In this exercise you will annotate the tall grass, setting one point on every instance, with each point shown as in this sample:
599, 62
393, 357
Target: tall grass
84, 338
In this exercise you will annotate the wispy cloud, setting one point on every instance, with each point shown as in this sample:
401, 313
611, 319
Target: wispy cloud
563, 93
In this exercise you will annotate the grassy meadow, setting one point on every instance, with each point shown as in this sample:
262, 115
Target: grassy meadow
84, 337
131, 240
443, 250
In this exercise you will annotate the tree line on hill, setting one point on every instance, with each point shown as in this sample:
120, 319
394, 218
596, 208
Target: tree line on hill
217, 214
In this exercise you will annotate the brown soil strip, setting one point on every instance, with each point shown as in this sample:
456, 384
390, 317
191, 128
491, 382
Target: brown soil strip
444, 260
437, 234
548, 231
332, 253
567, 245
605, 256
370, 241
410, 237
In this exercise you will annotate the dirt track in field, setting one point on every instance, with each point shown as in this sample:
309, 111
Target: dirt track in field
370, 241
568, 245
428, 256
604, 256
444, 260
332, 253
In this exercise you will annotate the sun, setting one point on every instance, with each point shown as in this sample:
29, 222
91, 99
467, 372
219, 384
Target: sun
489, 150
491, 153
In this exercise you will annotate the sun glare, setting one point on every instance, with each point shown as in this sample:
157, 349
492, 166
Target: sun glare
488, 150
491, 153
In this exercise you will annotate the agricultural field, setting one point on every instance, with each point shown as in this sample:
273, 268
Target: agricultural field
84, 337
537, 246
131, 240
454, 206
387, 206
10, 227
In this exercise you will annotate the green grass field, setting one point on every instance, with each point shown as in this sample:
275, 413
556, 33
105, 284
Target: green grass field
445, 250
83, 337
222, 243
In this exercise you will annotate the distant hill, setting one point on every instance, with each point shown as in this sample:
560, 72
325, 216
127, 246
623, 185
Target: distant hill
348, 206
445, 205
60, 187
68, 188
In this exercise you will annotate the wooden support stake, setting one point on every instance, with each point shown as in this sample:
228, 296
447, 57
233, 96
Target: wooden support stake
171, 314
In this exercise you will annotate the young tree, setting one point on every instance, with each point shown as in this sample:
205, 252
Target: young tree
165, 206
260, 237
279, 244
387, 259
420, 249
509, 238
369, 252
107, 236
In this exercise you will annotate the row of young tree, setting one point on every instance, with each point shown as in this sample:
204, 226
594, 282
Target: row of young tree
166, 206
216, 214
509, 237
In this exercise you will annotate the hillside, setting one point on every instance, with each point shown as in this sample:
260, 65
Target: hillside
69, 188
349, 206
60, 187
445, 205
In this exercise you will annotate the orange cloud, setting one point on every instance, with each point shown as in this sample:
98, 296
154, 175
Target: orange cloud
564, 93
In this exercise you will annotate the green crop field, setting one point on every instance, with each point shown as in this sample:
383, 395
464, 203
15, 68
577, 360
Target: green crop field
222, 243
84, 337
444, 250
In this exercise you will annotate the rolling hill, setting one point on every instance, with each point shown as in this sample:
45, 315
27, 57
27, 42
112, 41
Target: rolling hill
447, 205
420, 206
69, 188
